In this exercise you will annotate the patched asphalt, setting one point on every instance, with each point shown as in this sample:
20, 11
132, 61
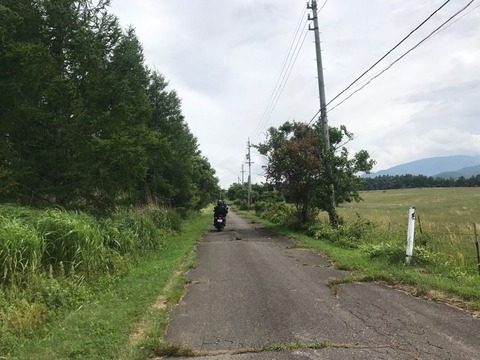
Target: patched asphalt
253, 295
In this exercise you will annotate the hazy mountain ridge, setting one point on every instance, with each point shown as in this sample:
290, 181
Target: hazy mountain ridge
442, 166
466, 172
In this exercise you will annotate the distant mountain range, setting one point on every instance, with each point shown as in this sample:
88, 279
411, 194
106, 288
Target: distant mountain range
443, 166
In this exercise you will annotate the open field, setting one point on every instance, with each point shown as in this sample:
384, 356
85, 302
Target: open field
441, 208
444, 226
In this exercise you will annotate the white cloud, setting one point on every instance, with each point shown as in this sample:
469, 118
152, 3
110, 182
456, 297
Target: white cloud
223, 59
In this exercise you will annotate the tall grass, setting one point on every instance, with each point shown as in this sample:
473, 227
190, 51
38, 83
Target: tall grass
49, 257
72, 240
38, 240
21, 249
127, 319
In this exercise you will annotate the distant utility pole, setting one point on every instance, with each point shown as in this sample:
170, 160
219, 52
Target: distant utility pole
243, 177
249, 175
321, 82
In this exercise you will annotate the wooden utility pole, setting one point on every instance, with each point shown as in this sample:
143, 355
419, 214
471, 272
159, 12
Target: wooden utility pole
323, 106
321, 82
249, 175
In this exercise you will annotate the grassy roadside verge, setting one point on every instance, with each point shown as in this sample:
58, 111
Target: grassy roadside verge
461, 291
124, 322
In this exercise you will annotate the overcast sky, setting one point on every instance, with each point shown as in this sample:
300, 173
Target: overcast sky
224, 59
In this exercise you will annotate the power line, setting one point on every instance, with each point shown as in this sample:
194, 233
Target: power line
321, 8
275, 87
389, 52
275, 97
254, 180
461, 17
286, 77
433, 33
314, 116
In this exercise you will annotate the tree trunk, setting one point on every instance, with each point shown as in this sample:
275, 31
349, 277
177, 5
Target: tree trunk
333, 216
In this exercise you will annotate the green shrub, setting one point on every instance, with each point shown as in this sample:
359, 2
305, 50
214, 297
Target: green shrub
391, 252
346, 235
395, 253
242, 205
321, 231
57, 292
27, 318
278, 212
423, 256
359, 229
260, 207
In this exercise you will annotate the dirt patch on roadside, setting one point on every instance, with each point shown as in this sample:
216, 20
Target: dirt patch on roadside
161, 303
138, 334
139, 328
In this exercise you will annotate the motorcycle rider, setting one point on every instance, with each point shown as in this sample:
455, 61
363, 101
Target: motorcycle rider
225, 205
220, 210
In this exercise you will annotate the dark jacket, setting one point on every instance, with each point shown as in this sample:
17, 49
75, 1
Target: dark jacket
220, 210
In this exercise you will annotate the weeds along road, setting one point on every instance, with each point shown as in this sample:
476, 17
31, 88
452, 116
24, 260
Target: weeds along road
254, 296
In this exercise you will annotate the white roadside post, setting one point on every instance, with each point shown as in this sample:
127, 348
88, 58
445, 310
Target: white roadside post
410, 235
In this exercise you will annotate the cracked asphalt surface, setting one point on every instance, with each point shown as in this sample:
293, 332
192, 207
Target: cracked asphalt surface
252, 289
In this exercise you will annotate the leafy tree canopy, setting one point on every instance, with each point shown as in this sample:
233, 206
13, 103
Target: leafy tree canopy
308, 177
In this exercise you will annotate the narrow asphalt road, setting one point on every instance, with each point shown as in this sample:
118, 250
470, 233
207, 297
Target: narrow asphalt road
252, 290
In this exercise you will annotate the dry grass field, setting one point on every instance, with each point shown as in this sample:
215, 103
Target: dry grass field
437, 206
445, 218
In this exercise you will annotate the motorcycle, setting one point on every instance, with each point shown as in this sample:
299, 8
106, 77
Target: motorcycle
219, 222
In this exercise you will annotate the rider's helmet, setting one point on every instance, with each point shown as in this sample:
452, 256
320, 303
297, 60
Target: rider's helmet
220, 203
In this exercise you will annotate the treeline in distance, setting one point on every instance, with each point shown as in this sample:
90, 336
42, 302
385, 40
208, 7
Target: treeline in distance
387, 182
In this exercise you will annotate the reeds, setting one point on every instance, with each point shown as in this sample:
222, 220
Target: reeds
54, 260
66, 242
21, 249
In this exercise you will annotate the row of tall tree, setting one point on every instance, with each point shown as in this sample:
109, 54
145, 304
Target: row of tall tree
84, 123
386, 182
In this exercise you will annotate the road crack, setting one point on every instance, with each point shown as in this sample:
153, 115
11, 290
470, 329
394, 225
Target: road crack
192, 353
